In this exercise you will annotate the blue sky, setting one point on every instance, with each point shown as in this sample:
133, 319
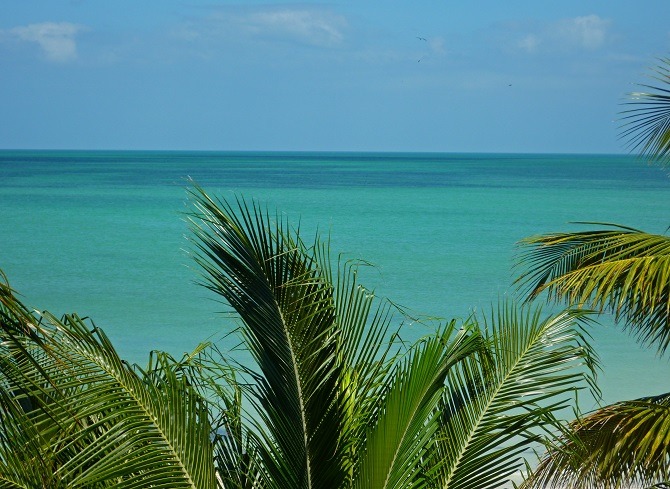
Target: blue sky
448, 76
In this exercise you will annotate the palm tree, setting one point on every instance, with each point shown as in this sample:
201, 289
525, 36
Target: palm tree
332, 399
73, 414
647, 124
625, 272
336, 402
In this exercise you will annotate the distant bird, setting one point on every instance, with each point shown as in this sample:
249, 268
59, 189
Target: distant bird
421, 38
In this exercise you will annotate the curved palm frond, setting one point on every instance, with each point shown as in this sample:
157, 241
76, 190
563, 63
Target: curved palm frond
340, 404
86, 419
211, 374
623, 271
492, 413
408, 419
286, 305
32, 465
622, 445
366, 352
647, 125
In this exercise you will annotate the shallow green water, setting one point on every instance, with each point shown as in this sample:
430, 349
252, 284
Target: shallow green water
103, 233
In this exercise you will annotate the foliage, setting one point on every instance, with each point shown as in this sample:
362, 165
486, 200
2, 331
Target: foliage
331, 398
619, 270
626, 272
646, 126
626, 441
75, 415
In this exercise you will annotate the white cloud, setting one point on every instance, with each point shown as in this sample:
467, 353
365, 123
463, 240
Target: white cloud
310, 26
313, 27
588, 32
529, 43
57, 40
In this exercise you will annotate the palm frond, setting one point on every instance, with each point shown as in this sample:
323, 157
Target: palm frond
91, 420
646, 126
492, 412
622, 271
210, 373
286, 305
366, 351
622, 445
33, 464
407, 418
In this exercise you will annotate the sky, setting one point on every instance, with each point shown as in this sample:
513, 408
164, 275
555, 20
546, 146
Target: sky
520, 76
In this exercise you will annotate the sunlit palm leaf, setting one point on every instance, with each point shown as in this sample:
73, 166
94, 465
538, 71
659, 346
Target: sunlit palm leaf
647, 125
407, 420
210, 373
623, 271
492, 411
626, 444
32, 465
96, 422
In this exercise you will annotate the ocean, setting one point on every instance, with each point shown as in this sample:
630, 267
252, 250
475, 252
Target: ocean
103, 233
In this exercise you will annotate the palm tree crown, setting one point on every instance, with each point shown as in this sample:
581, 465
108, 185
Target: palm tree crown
330, 399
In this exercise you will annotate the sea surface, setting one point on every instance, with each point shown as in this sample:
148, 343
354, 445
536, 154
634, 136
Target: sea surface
103, 233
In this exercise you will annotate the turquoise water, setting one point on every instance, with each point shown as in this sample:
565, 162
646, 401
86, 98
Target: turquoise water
103, 233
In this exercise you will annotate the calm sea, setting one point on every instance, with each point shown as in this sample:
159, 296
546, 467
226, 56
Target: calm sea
103, 233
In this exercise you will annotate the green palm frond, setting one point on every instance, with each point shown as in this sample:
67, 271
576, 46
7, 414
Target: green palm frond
32, 465
405, 428
366, 352
90, 420
622, 445
286, 305
622, 271
646, 126
211, 374
492, 412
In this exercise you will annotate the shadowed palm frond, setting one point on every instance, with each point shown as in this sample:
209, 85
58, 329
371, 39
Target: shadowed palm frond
492, 412
287, 308
646, 126
622, 271
622, 445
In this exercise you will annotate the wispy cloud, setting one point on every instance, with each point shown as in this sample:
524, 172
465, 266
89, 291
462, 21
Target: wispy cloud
55, 39
589, 32
303, 25
529, 43
319, 28
584, 33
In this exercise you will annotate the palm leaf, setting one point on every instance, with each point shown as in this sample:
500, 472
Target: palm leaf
215, 379
405, 428
646, 126
626, 444
492, 412
91, 420
286, 305
32, 465
366, 352
622, 271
